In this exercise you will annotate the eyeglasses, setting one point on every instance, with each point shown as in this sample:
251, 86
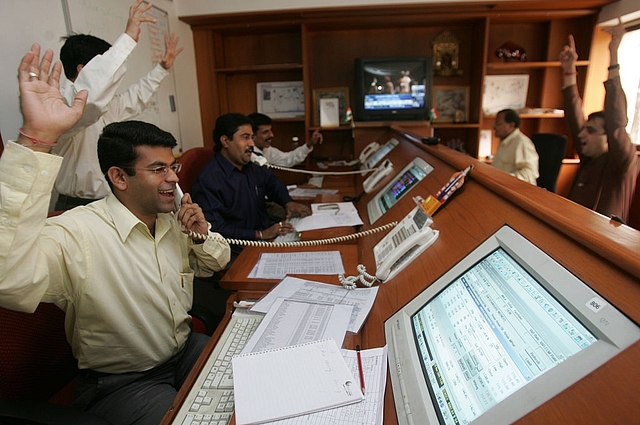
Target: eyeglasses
160, 169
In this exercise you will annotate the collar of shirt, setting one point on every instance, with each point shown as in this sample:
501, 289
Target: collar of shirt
125, 221
510, 137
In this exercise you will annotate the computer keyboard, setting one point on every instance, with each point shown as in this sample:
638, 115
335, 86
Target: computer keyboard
290, 237
210, 401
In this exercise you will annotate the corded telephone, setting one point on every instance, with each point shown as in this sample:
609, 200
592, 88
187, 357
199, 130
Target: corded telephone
404, 243
376, 177
368, 151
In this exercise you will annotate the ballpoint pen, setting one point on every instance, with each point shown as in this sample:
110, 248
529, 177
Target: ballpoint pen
452, 185
360, 371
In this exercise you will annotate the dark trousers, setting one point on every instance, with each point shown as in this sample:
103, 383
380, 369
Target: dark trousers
140, 398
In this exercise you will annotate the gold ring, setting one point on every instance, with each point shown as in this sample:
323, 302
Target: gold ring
280, 224
33, 75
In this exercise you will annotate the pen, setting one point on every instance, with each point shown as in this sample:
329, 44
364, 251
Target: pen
451, 186
360, 371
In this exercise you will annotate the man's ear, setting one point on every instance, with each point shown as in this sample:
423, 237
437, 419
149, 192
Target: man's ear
224, 140
118, 178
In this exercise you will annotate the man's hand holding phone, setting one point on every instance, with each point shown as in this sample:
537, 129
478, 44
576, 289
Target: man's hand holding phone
190, 216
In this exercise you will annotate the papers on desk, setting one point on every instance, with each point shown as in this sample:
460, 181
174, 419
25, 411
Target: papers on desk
300, 192
278, 265
328, 215
291, 381
291, 322
298, 289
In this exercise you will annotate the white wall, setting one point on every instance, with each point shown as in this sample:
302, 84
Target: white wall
42, 21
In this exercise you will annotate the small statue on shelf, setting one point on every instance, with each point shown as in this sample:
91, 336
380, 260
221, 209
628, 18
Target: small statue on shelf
510, 51
446, 50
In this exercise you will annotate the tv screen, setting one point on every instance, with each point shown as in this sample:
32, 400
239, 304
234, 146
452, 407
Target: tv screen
500, 333
395, 88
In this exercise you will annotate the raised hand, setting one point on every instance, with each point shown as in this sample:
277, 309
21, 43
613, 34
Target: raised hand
137, 17
568, 56
45, 114
171, 51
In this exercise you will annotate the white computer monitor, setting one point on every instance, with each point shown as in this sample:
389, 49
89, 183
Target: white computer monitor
401, 184
503, 331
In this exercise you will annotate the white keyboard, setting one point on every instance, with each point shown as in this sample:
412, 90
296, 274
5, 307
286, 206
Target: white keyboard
210, 401
289, 237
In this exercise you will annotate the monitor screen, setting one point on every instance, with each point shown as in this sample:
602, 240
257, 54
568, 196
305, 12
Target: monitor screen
477, 346
393, 88
406, 180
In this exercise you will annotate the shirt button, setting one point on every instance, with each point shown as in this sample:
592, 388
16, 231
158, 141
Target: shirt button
27, 168
7, 222
44, 173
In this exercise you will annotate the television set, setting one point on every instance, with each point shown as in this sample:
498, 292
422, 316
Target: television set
393, 88
500, 333
401, 184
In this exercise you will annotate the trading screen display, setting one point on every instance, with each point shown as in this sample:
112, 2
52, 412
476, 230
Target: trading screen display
489, 333
407, 180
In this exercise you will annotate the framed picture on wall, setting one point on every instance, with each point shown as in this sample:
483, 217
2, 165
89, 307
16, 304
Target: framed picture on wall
340, 93
451, 103
281, 99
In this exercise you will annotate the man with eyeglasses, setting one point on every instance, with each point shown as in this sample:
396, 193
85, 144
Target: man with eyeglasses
121, 268
606, 178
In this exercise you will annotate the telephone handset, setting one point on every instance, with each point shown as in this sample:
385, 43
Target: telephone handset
376, 177
404, 243
177, 198
258, 159
369, 150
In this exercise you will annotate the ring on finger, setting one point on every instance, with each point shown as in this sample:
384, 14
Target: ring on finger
33, 75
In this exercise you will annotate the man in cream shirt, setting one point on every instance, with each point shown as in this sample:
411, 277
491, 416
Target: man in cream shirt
516, 153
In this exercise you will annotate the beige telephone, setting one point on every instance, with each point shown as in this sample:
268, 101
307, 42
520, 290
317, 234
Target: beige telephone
368, 151
404, 243
376, 177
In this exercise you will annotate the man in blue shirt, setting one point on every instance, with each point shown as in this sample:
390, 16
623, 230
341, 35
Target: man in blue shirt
231, 190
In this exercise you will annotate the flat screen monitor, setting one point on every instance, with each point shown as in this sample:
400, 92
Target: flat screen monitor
500, 333
403, 182
393, 88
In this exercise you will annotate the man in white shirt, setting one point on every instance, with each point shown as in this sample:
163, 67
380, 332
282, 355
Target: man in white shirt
121, 268
516, 153
92, 64
264, 137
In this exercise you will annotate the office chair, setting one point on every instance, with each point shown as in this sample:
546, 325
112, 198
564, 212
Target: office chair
551, 150
37, 370
193, 160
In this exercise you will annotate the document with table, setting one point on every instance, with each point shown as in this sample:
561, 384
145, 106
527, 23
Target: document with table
294, 288
328, 215
291, 381
277, 265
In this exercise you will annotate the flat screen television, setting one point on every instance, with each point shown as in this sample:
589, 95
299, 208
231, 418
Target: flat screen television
500, 333
393, 88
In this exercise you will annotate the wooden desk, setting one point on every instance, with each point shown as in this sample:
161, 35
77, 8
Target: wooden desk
236, 279
600, 252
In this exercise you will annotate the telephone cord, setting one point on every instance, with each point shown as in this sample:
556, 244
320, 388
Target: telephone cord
323, 173
316, 242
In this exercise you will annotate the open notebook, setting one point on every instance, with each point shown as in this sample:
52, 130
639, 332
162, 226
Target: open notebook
291, 381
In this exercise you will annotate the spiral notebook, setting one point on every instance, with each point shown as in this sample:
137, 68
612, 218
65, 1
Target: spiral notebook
292, 381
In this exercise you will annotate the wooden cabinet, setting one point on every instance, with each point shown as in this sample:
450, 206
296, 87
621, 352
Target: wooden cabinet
319, 47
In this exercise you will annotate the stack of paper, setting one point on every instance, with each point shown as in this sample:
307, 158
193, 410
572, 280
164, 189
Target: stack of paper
291, 381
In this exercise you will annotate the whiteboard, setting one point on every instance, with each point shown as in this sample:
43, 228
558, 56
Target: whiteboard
107, 20
504, 92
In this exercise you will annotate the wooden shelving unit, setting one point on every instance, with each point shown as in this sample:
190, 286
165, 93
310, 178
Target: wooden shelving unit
319, 47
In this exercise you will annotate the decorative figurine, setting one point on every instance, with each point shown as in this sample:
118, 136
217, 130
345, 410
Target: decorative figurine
446, 50
510, 51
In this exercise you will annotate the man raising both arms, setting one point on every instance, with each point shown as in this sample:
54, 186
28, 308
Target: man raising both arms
606, 179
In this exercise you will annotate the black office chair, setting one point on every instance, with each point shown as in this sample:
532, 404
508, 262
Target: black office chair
551, 149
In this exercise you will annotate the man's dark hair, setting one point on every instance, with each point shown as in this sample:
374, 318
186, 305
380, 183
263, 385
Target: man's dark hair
118, 142
79, 49
511, 116
227, 125
258, 120
595, 115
